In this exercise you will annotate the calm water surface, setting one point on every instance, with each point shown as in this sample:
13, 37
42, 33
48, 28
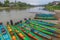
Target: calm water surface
6, 15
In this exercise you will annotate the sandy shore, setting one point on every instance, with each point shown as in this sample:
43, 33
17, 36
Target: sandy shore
57, 13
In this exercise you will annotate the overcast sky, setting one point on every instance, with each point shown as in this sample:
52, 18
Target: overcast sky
34, 2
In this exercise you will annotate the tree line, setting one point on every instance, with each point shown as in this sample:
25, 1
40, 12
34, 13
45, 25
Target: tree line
7, 3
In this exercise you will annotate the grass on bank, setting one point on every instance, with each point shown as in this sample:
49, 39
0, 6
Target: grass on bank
1, 8
51, 8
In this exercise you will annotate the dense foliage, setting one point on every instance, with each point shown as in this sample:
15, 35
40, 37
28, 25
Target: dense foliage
50, 6
19, 4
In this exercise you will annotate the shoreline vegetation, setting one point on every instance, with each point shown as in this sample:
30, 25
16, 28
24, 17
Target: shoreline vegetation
53, 6
14, 5
2, 8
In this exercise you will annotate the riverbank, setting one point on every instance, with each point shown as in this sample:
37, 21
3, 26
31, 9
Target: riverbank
2, 8
52, 8
15, 15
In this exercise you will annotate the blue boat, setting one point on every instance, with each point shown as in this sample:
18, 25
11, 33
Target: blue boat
42, 23
1, 37
45, 16
5, 35
34, 31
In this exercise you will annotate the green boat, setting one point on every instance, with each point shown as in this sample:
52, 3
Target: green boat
41, 34
42, 23
21, 34
46, 31
46, 18
47, 27
12, 33
30, 34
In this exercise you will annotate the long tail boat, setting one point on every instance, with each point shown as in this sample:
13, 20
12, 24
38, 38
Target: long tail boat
52, 29
30, 34
21, 34
45, 31
43, 23
4, 33
41, 34
12, 33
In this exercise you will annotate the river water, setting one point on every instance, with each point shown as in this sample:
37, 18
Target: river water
6, 15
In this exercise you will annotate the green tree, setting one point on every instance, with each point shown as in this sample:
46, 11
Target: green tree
1, 4
59, 4
21, 4
6, 3
50, 4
